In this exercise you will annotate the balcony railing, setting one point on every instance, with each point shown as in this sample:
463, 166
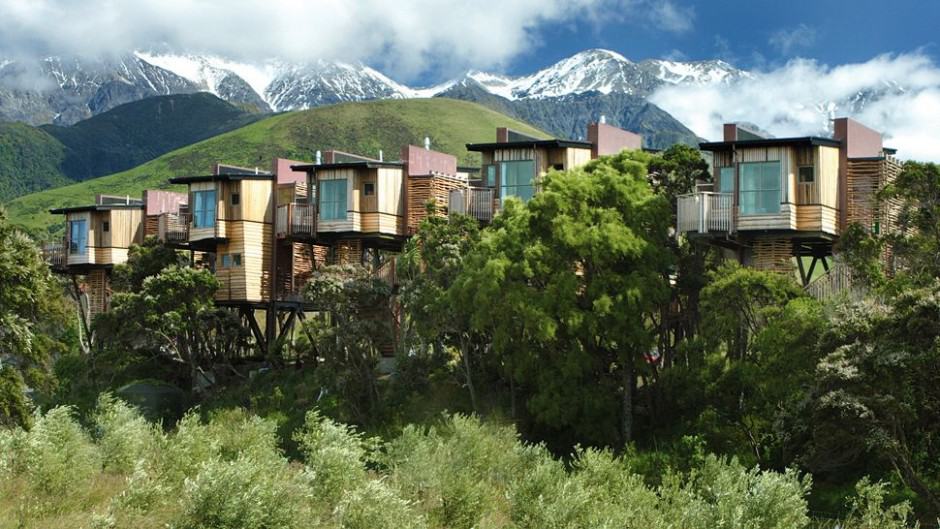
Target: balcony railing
807, 193
474, 201
55, 254
705, 212
174, 227
297, 220
387, 271
838, 280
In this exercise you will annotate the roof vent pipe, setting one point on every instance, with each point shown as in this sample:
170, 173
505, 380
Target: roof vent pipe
381, 156
319, 155
427, 143
603, 119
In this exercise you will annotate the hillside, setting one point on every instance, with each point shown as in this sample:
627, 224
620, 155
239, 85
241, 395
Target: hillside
33, 159
30, 160
132, 134
363, 128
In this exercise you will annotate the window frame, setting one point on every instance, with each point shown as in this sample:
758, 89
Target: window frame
489, 175
105, 226
368, 189
74, 248
335, 207
761, 189
507, 189
722, 177
799, 174
201, 211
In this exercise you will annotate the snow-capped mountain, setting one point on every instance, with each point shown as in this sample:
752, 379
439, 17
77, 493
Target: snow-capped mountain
64, 91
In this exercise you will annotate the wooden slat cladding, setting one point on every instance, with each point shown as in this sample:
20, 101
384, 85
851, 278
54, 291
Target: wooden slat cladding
773, 254
97, 288
424, 189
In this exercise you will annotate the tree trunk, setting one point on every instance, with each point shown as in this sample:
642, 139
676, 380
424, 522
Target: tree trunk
628, 382
465, 353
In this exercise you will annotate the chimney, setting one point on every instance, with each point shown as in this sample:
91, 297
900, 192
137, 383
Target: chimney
730, 132
502, 135
607, 139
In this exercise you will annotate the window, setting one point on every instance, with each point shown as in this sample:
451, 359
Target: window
78, 237
204, 209
760, 188
333, 199
726, 180
518, 179
105, 226
368, 189
807, 174
489, 175
236, 199
230, 260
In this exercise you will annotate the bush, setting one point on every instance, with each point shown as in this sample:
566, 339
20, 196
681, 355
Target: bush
59, 458
868, 509
124, 436
244, 493
335, 455
375, 506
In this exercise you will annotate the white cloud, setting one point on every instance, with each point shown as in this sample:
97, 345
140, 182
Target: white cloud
671, 17
404, 37
797, 99
793, 39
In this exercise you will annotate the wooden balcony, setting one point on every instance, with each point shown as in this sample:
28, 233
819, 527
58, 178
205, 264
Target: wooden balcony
56, 255
297, 221
173, 228
477, 202
705, 212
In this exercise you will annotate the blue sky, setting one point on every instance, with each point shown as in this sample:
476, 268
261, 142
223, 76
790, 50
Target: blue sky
752, 34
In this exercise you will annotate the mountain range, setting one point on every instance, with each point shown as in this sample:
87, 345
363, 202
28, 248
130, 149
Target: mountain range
559, 99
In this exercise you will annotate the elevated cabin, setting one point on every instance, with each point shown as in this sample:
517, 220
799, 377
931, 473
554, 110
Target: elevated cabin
99, 236
773, 199
230, 220
515, 164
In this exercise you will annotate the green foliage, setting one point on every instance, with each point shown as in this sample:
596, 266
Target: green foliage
335, 454
57, 456
553, 281
868, 509
145, 260
30, 161
124, 437
364, 127
917, 240
33, 322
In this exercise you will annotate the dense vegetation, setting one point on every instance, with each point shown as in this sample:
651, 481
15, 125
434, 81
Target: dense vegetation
36, 158
570, 365
364, 128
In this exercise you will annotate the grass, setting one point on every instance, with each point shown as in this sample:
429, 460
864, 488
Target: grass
363, 128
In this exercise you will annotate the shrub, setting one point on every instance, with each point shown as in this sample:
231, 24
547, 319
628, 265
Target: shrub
59, 457
244, 493
868, 509
335, 455
124, 436
375, 506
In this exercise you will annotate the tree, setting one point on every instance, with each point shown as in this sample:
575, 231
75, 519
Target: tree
33, 322
143, 261
346, 337
917, 240
565, 286
431, 263
174, 317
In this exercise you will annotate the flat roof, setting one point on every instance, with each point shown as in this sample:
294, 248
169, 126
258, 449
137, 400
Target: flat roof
769, 142
96, 207
220, 178
308, 167
480, 147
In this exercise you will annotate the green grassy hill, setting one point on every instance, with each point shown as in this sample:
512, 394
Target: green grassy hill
37, 158
362, 128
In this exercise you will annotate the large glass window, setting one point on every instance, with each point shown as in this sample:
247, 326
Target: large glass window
518, 179
760, 188
78, 236
204, 209
333, 199
726, 180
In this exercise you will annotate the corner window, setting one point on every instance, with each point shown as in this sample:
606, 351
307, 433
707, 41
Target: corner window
726, 180
807, 174
489, 175
332, 199
760, 188
368, 189
230, 260
518, 179
204, 209
78, 236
